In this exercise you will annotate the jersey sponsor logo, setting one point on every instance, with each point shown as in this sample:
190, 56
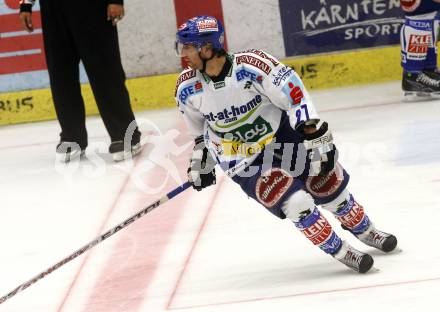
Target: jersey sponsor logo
410, 5
328, 185
184, 77
207, 25
283, 74
263, 55
233, 148
418, 44
420, 25
189, 91
232, 167
253, 61
253, 132
230, 115
219, 85
294, 92
272, 185
244, 73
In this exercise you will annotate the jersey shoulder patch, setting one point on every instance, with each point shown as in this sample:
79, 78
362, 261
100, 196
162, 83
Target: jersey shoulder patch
187, 74
188, 85
264, 56
254, 61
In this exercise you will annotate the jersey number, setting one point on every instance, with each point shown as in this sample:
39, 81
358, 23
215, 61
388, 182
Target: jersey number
299, 114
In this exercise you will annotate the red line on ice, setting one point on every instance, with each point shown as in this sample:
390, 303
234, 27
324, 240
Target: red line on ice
194, 244
311, 293
123, 280
100, 231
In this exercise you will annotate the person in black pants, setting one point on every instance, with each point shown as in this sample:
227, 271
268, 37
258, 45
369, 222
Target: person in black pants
88, 35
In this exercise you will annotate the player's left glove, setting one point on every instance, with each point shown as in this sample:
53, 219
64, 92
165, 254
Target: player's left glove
321, 151
201, 172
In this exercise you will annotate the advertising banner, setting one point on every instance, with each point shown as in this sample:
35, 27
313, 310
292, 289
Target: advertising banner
19, 50
319, 26
22, 60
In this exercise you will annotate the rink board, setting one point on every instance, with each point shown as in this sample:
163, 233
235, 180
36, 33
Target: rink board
219, 251
318, 72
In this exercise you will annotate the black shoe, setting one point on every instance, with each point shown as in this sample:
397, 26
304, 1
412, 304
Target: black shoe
118, 152
68, 151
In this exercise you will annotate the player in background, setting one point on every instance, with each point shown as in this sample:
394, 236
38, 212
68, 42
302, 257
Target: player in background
418, 40
252, 115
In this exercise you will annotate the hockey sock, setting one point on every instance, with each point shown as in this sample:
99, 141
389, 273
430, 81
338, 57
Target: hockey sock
416, 39
352, 216
319, 231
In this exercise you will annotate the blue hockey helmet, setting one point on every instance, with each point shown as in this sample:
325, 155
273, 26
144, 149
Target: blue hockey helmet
198, 31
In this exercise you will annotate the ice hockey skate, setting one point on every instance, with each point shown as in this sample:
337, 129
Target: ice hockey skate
68, 151
120, 153
381, 240
357, 260
433, 73
420, 86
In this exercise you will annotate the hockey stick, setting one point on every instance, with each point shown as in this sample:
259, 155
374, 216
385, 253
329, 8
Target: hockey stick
96, 241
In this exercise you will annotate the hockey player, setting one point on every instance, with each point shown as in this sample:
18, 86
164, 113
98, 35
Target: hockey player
249, 113
418, 45
85, 31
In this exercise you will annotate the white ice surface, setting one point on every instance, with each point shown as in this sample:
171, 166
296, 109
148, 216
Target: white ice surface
217, 250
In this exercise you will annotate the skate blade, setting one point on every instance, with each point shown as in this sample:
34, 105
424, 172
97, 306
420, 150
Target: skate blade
396, 250
373, 270
411, 97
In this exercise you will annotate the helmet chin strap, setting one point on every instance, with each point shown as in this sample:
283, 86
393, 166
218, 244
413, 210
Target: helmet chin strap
205, 60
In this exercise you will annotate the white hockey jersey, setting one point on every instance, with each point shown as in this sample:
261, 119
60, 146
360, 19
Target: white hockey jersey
240, 115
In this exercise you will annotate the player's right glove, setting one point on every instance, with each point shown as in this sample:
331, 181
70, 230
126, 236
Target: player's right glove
321, 151
201, 172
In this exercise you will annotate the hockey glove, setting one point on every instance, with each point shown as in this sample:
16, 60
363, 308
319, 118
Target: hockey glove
201, 172
321, 151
